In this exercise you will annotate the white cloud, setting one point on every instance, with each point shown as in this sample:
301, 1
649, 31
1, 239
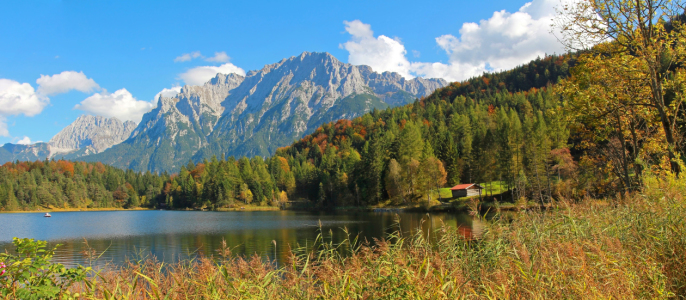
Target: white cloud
188, 56
64, 82
168, 93
120, 104
506, 39
382, 53
454, 71
18, 98
200, 75
501, 42
219, 57
25, 141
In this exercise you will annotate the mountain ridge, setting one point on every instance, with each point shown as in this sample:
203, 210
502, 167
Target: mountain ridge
256, 114
309, 86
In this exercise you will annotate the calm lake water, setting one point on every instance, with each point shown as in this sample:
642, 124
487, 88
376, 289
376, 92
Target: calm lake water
174, 235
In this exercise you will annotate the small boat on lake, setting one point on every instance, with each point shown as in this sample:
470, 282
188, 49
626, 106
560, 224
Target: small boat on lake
47, 215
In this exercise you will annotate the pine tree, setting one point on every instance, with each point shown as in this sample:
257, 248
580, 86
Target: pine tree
11, 200
411, 143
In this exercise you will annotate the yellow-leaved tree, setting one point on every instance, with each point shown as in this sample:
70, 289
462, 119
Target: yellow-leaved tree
625, 92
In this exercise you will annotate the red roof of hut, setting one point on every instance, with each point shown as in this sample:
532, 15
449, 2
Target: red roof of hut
465, 186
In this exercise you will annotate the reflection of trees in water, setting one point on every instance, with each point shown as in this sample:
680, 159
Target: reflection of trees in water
476, 228
430, 224
248, 241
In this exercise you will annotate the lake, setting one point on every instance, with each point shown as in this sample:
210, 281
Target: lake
174, 235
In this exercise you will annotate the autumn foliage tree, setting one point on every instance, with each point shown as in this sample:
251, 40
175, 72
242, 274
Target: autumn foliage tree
433, 176
627, 90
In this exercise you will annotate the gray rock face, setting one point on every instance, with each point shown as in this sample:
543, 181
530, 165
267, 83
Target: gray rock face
388, 83
94, 134
256, 114
170, 134
194, 106
284, 101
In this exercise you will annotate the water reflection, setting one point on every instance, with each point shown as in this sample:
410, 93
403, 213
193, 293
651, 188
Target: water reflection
174, 235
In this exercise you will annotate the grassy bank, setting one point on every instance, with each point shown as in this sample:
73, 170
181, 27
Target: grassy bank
449, 204
624, 247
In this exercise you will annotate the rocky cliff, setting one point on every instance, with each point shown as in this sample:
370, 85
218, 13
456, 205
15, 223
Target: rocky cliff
93, 134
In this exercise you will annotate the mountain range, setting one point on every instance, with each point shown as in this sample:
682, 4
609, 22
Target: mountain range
234, 115
87, 135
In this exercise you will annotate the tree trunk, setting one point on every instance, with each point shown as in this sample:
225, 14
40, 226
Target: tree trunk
625, 162
547, 177
634, 153
658, 100
538, 180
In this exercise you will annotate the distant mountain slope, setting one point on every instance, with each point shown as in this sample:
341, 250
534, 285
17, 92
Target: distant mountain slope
87, 135
269, 108
14, 152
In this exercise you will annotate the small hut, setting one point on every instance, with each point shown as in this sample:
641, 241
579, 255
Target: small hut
466, 190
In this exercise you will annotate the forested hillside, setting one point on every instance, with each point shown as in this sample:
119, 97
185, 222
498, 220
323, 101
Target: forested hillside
474, 131
497, 127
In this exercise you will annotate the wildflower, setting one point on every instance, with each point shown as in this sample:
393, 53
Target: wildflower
2, 268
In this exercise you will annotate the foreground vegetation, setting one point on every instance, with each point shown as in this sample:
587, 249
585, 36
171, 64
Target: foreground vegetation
626, 247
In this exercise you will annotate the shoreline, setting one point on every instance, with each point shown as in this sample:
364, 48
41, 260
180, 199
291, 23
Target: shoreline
445, 207
461, 206
249, 208
246, 208
51, 210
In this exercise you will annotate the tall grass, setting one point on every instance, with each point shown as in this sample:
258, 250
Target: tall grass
630, 246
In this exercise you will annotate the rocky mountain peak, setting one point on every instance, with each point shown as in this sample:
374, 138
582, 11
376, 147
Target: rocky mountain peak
95, 132
285, 100
231, 80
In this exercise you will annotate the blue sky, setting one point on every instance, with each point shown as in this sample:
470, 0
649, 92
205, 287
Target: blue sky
106, 46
